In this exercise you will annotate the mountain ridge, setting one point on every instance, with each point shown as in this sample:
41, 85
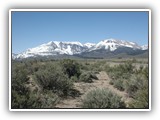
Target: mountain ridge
54, 48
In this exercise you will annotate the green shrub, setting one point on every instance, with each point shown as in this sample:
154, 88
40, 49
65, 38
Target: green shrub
119, 84
111, 82
123, 70
70, 67
134, 60
135, 83
47, 99
22, 97
19, 92
140, 93
33, 100
141, 99
54, 79
97, 66
119, 74
128, 67
102, 98
93, 74
18, 101
85, 77
146, 73
74, 79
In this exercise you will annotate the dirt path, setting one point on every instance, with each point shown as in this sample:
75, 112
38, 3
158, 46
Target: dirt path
106, 84
84, 88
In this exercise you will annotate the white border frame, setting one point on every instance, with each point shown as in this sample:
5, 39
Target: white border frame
10, 58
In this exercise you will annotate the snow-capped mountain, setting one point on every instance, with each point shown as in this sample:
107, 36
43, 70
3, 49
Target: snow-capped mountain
14, 56
54, 48
144, 47
113, 44
70, 48
89, 45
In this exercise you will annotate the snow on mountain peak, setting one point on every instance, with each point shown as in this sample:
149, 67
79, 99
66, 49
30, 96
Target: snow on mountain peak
113, 44
74, 43
53, 48
71, 48
144, 47
107, 44
89, 45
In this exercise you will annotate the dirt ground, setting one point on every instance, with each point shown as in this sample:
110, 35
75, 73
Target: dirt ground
84, 88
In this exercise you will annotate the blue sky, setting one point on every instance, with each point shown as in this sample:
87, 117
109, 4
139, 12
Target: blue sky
30, 29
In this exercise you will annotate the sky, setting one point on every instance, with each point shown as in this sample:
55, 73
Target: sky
30, 29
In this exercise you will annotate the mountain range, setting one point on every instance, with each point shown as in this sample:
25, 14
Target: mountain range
105, 48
